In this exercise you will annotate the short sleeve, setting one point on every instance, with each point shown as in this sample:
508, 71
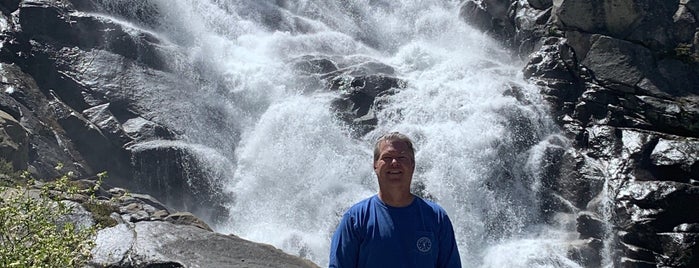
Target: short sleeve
448, 251
344, 248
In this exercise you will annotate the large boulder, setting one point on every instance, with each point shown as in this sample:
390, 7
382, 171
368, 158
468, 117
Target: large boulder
163, 244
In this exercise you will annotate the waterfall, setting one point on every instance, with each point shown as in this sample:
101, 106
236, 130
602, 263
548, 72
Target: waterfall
292, 167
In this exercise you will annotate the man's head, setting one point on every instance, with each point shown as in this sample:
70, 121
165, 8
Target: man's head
394, 162
393, 136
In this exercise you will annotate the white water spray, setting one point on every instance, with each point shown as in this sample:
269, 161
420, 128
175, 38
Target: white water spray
295, 168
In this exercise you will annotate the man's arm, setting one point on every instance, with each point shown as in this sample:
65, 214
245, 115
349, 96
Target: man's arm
344, 248
448, 251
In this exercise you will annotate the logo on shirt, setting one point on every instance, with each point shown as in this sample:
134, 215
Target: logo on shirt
424, 244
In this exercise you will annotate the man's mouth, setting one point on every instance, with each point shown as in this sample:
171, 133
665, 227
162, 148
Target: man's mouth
394, 172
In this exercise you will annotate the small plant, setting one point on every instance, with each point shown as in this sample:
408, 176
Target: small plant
684, 52
8, 175
33, 229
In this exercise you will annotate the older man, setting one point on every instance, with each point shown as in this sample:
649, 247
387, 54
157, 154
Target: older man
394, 228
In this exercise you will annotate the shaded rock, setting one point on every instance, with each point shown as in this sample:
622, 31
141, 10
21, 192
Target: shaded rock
679, 250
97, 149
636, 254
186, 218
14, 142
314, 65
48, 144
54, 23
171, 172
675, 160
644, 21
654, 206
618, 61
141, 129
540, 4
590, 226
686, 228
357, 103
587, 252
491, 16
9, 6
109, 125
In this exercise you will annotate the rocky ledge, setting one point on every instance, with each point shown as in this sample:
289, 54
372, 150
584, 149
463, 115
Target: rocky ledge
136, 230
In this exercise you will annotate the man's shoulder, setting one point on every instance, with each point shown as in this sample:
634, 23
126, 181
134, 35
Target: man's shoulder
436, 208
363, 204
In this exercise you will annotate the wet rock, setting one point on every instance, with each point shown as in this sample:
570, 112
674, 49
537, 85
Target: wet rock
590, 226
586, 252
357, 104
540, 4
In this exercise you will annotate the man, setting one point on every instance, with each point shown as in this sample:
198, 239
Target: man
394, 228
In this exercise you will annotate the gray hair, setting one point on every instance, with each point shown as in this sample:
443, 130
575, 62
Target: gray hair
393, 136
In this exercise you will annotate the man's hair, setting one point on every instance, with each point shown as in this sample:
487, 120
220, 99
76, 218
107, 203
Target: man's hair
393, 136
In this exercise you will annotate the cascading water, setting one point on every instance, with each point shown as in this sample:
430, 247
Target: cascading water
292, 167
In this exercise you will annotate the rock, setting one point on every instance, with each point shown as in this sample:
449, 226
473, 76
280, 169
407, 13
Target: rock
680, 250
14, 142
540, 4
9, 6
586, 252
362, 87
676, 160
171, 172
149, 243
314, 65
621, 78
591, 226
186, 218
491, 16
654, 206
618, 61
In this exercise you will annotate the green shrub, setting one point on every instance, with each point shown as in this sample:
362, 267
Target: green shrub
8, 175
33, 229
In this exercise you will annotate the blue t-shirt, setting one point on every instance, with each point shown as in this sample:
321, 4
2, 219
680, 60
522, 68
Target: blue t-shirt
373, 234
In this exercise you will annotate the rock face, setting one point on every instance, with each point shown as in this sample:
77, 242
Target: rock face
58, 67
621, 78
61, 101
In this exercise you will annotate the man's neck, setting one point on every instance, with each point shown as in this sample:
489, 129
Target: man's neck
397, 199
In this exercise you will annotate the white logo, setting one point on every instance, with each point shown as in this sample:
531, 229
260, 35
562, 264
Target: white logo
424, 244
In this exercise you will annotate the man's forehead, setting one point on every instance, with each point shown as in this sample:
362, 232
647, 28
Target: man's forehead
394, 146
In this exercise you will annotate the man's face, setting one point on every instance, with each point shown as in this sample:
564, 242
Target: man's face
395, 165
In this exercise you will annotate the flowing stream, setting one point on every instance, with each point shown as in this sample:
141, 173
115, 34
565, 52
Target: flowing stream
291, 167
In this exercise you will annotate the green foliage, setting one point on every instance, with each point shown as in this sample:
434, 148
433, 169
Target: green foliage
101, 212
684, 52
34, 231
8, 175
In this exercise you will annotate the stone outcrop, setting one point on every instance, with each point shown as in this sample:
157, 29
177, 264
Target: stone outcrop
621, 78
139, 231
362, 83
